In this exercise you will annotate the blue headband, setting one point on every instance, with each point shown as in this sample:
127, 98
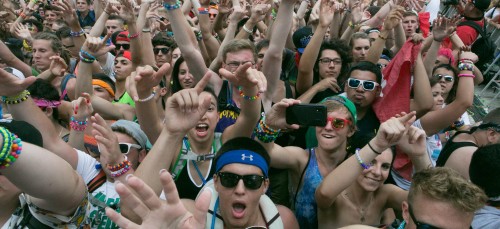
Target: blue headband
242, 156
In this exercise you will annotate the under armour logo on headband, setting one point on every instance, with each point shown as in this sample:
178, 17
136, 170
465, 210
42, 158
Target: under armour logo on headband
243, 156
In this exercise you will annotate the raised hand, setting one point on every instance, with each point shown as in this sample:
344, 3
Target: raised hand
326, 11
237, 14
126, 11
57, 66
276, 117
417, 38
394, 18
106, 141
82, 107
145, 78
97, 46
225, 6
65, 10
356, 12
467, 54
186, 107
246, 77
413, 143
156, 213
10, 85
259, 12
110, 8
22, 32
442, 28
392, 130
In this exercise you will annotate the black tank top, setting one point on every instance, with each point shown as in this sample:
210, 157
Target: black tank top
186, 188
450, 147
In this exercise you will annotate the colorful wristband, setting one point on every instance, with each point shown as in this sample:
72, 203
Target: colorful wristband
77, 125
11, 148
21, 97
177, 5
365, 166
246, 97
467, 75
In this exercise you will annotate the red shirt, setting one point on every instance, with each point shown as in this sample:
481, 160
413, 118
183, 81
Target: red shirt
466, 33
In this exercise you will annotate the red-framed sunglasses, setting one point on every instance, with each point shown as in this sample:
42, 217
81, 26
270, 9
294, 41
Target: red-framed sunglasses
338, 123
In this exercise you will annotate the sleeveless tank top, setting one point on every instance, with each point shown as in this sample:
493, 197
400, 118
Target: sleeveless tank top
305, 204
450, 147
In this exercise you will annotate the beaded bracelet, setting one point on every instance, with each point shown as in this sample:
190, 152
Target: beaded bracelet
21, 97
198, 35
240, 89
86, 60
77, 34
11, 144
87, 54
120, 169
265, 133
365, 166
467, 75
203, 10
177, 5
77, 125
23, 15
7, 142
150, 97
465, 66
133, 35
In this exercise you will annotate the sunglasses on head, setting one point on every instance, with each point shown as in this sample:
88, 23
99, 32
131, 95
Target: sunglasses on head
157, 50
338, 123
368, 85
230, 180
446, 78
125, 147
125, 46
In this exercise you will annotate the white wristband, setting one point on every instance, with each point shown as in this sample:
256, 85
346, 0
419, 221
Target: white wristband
247, 30
150, 97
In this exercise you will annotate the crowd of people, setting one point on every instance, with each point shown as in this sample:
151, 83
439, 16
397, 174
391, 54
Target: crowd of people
175, 114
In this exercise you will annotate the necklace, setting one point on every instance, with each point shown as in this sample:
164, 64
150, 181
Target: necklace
360, 210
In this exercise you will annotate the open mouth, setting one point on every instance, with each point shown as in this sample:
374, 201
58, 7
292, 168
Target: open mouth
327, 136
238, 210
201, 129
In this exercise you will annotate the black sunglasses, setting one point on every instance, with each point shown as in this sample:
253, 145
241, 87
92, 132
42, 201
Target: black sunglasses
163, 50
368, 85
230, 180
125, 46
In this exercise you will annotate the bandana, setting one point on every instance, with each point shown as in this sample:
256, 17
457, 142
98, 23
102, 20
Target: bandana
104, 85
46, 103
242, 156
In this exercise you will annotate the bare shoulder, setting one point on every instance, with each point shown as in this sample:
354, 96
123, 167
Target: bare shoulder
287, 216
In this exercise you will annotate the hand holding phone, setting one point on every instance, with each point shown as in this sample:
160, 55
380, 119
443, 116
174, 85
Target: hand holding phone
306, 115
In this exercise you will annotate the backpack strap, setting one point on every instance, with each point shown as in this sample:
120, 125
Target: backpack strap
97, 181
475, 26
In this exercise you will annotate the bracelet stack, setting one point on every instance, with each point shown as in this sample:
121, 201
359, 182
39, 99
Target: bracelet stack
246, 97
265, 133
365, 166
11, 148
466, 65
77, 125
198, 35
21, 97
86, 57
177, 5
120, 169
77, 34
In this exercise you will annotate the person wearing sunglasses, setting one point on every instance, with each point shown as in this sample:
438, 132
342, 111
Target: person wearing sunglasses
441, 198
485, 173
162, 49
460, 147
354, 192
303, 164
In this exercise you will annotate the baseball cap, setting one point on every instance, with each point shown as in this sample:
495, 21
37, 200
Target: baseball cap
122, 36
133, 130
481, 4
301, 38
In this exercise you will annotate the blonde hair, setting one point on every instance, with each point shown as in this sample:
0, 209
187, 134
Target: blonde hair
447, 185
